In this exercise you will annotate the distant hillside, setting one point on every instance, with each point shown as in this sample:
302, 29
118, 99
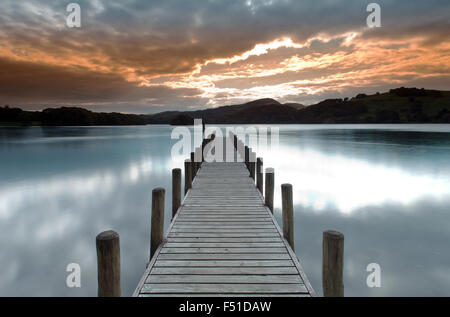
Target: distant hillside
401, 105
66, 116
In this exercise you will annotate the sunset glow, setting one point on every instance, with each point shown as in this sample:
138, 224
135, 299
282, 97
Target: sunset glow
144, 57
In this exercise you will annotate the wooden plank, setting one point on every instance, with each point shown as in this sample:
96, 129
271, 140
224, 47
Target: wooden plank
223, 250
225, 270
222, 234
223, 240
225, 279
224, 295
223, 288
219, 230
224, 245
223, 263
224, 256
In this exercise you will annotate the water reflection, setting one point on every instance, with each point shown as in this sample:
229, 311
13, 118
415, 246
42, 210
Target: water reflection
387, 190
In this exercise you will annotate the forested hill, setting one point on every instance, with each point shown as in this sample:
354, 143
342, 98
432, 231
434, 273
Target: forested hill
401, 105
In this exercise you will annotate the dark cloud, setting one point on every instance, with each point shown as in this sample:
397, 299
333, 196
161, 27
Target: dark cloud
62, 85
145, 40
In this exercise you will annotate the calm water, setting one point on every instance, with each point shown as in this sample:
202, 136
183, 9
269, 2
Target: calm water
386, 187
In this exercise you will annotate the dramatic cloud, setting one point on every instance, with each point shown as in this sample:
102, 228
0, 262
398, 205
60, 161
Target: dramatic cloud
147, 56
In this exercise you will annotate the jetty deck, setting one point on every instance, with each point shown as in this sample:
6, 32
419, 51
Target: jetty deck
224, 241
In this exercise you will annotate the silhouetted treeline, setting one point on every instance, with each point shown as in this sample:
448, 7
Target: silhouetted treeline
401, 105
67, 116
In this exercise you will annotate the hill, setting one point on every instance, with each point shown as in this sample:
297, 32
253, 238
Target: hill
401, 105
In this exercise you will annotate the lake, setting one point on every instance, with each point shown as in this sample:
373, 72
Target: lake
386, 187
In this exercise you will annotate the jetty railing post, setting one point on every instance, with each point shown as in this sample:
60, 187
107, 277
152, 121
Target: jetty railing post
247, 155
333, 264
198, 159
176, 190
108, 264
287, 213
193, 165
187, 176
252, 164
157, 225
269, 187
259, 174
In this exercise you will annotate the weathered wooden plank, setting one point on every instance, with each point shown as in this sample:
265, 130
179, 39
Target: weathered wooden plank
224, 250
224, 256
222, 234
224, 279
224, 295
219, 230
225, 270
223, 240
224, 245
190, 225
223, 263
223, 288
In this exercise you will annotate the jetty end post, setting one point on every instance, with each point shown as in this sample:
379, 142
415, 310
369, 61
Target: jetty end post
157, 225
187, 176
333, 264
288, 214
259, 174
269, 185
108, 264
252, 164
176, 190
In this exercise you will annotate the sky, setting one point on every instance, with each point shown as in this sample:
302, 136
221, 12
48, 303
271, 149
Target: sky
141, 56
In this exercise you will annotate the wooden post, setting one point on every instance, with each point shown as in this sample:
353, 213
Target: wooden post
187, 176
176, 190
157, 225
270, 182
259, 174
252, 164
333, 264
247, 154
108, 264
288, 213
198, 159
193, 165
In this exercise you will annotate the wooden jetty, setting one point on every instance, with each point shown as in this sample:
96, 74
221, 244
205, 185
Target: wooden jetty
223, 240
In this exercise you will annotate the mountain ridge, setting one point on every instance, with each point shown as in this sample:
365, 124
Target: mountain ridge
400, 105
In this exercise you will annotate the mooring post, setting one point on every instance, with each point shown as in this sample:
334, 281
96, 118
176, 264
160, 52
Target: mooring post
176, 190
333, 264
198, 159
247, 156
193, 165
259, 174
252, 164
287, 213
187, 176
108, 264
269, 185
157, 225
